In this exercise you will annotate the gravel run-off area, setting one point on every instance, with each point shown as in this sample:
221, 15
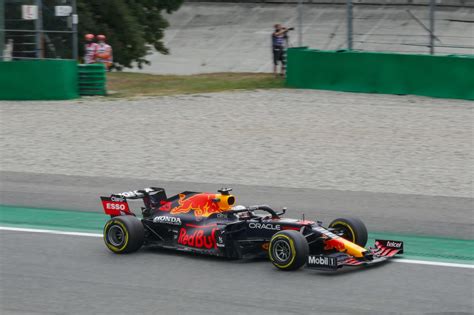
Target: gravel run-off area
287, 138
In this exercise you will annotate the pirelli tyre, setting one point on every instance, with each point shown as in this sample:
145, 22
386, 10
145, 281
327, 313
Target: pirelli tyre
288, 250
352, 229
123, 234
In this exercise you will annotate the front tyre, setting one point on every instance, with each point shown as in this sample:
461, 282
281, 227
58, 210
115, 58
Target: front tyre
352, 229
288, 250
123, 234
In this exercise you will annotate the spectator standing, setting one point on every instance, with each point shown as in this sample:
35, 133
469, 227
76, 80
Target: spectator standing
90, 49
104, 52
279, 45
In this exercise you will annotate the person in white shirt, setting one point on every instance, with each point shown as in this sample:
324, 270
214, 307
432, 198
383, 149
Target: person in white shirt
104, 52
90, 49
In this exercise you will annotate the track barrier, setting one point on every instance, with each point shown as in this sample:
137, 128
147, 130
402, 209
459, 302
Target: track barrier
38, 80
92, 79
387, 73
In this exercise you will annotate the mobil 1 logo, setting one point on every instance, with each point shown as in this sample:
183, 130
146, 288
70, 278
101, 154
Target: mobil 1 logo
322, 262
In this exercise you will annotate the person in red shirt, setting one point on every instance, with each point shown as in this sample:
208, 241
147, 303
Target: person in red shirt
90, 49
104, 52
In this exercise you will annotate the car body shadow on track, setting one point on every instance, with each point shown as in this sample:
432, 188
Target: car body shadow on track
257, 262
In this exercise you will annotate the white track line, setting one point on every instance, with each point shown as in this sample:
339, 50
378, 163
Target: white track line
433, 263
5, 228
399, 260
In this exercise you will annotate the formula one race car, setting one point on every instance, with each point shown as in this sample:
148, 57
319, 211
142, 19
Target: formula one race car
209, 223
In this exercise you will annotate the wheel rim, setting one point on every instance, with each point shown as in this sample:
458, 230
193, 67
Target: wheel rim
116, 235
282, 250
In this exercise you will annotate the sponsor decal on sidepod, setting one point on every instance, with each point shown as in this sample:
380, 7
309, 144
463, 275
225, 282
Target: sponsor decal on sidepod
264, 226
198, 238
167, 220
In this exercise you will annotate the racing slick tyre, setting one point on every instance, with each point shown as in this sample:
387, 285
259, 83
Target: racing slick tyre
352, 229
124, 234
288, 250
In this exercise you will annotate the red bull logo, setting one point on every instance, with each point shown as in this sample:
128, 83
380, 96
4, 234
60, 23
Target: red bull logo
203, 204
334, 244
345, 246
198, 238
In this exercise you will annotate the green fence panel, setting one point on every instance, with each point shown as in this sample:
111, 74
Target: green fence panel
435, 76
38, 80
92, 79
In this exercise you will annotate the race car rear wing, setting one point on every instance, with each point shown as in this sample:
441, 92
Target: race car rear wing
117, 204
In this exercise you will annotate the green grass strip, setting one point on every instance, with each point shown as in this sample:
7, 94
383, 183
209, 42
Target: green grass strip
416, 247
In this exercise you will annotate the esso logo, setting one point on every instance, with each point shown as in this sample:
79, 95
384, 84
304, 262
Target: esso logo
115, 206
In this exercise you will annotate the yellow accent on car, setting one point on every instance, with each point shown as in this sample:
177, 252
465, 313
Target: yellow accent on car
225, 201
347, 226
125, 231
350, 246
293, 251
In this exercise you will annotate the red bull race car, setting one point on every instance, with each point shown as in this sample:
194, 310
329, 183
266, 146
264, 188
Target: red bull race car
210, 223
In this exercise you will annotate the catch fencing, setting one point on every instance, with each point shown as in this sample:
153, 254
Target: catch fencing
429, 26
38, 29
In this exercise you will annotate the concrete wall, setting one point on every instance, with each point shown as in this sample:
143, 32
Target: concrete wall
218, 37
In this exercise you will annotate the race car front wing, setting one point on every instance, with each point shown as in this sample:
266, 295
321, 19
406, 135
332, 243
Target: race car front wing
382, 251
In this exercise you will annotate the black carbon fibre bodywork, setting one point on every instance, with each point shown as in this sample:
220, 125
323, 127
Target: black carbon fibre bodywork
199, 223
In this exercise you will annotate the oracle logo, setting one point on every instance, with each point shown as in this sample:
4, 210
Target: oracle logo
264, 226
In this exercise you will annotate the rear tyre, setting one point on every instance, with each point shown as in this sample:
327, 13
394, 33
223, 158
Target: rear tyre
352, 229
123, 234
288, 250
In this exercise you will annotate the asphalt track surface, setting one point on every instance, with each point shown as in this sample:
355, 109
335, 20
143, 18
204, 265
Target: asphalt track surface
382, 212
57, 274
60, 274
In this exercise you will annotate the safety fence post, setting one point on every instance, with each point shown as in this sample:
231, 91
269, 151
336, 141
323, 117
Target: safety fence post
432, 26
349, 24
300, 23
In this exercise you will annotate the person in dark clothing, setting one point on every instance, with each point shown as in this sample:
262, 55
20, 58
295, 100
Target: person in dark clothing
279, 45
